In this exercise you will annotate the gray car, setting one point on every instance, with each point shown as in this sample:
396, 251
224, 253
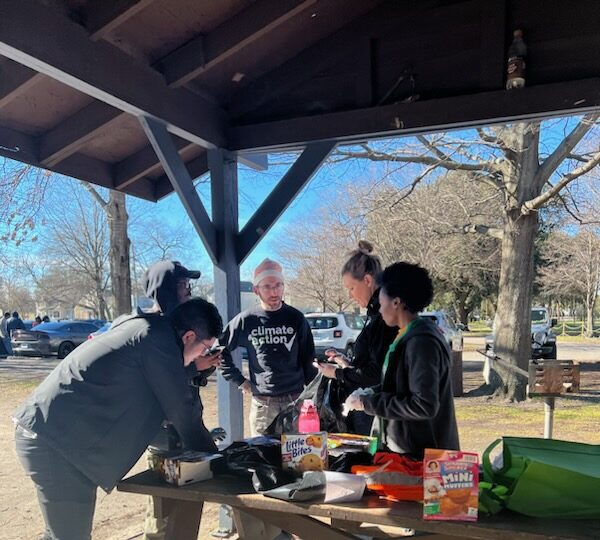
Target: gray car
51, 338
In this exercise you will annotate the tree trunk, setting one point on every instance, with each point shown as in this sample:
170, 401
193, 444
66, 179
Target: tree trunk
513, 315
462, 310
589, 317
119, 252
513, 339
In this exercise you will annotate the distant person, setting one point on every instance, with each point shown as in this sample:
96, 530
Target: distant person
4, 335
38, 320
413, 406
92, 418
14, 323
45, 318
280, 349
359, 275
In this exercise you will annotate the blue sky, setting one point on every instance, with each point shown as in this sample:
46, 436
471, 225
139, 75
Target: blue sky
255, 186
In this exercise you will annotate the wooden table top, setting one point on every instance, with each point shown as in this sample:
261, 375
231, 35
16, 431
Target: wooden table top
237, 491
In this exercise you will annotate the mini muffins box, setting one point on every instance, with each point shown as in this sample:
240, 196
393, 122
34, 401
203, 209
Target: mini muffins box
304, 451
450, 485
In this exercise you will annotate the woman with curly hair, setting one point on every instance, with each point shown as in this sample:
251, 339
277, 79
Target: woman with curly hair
413, 405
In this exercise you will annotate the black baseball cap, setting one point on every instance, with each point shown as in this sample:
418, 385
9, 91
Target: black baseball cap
160, 282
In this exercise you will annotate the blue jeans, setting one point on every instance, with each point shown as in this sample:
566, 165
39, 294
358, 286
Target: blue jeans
7, 346
67, 498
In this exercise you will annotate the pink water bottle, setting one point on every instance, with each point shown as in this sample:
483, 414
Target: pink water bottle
309, 418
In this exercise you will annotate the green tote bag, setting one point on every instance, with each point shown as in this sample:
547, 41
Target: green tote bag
543, 478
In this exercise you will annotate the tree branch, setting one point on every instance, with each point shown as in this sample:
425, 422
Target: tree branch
474, 228
94, 194
536, 203
373, 155
562, 151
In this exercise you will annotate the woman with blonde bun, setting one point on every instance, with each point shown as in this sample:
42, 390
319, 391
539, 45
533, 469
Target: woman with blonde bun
364, 370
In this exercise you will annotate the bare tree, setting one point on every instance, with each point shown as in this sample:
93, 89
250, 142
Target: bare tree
313, 256
509, 160
573, 268
116, 213
78, 242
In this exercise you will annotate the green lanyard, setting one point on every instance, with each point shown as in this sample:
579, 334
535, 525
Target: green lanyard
401, 333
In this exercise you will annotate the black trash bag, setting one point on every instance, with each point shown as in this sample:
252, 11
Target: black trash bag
324, 393
345, 462
267, 477
245, 456
331, 404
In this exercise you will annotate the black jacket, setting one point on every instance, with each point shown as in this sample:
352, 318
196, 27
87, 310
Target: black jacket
104, 403
370, 349
415, 398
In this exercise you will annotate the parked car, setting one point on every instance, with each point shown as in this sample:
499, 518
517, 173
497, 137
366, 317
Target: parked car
58, 338
446, 325
104, 328
543, 339
335, 331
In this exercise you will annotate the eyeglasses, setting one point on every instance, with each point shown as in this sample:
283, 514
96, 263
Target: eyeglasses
269, 288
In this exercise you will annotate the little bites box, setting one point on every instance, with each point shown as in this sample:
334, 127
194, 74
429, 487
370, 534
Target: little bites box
304, 451
450, 485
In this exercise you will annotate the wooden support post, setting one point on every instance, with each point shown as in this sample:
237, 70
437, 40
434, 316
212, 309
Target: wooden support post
224, 190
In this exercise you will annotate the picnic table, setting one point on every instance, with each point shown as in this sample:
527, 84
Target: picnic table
259, 517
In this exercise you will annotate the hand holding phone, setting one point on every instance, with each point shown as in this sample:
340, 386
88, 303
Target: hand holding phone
215, 349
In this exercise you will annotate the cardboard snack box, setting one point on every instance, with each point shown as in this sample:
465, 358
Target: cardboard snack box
304, 451
450, 485
185, 468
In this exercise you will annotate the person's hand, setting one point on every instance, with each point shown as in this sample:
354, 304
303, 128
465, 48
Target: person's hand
328, 370
339, 358
218, 434
246, 387
353, 402
207, 362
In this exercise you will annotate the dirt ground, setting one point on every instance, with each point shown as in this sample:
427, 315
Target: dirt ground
120, 516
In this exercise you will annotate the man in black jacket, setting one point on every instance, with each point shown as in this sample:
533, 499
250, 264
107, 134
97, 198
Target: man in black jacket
88, 423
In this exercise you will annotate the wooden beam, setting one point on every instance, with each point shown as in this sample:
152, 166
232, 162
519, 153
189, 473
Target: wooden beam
142, 163
14, 80
103, 17
534, 102
25, 148
281, 197
182, 182
74, 132
224, 204
196, 167
316, 58
492, 67
205, 52
98, 70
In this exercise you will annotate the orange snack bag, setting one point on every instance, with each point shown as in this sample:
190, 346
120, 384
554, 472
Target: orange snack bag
450, 485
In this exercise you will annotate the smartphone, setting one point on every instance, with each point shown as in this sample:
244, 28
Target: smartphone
215, 349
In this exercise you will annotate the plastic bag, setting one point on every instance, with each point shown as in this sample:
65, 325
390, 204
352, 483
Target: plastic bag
246, 456
543, 478
323, 393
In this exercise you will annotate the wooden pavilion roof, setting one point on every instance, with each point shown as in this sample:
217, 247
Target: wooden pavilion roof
259, 75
